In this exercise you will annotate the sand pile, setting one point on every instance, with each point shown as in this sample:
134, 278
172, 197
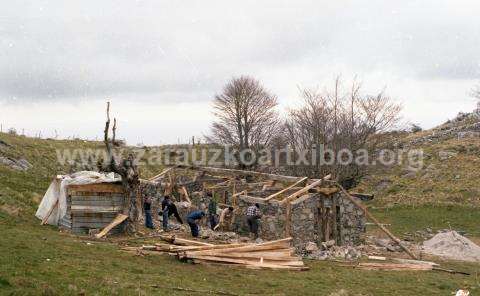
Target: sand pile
453, 246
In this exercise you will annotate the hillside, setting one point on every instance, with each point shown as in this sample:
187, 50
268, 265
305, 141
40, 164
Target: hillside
450, 171
27, 166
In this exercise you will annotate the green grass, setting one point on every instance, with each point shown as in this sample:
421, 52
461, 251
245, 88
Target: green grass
75, 267
436, 217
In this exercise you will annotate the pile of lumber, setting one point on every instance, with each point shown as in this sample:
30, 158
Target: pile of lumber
276, 254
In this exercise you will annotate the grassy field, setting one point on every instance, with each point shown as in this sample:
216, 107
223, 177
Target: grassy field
40, 260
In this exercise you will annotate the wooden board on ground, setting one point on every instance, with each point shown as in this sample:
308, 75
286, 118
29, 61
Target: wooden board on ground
119, 219
394, 266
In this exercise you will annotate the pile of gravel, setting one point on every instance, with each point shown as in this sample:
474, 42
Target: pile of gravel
452, 245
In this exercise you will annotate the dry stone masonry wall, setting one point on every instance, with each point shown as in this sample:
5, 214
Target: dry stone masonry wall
307, 223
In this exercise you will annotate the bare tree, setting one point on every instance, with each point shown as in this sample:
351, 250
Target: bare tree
338, 119
246, 115
126, 168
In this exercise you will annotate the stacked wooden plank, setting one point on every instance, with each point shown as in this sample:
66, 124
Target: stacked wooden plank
93, 206
276, 254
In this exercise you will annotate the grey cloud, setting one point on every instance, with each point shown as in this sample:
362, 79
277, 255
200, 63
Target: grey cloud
155, 49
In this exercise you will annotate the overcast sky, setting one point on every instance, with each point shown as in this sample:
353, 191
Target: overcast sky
161, 62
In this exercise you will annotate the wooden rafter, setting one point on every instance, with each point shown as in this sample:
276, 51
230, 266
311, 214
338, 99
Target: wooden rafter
286, 188
304, 190
161, 174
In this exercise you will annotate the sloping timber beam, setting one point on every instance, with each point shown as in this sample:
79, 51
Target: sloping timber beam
286, 189
304, 190
215, 170
161, 174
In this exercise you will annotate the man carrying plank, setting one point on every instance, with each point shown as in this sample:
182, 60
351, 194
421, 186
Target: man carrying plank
193, 219
253, 214
225, 212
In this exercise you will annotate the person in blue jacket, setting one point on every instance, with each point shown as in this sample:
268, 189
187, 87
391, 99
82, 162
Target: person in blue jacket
192, 219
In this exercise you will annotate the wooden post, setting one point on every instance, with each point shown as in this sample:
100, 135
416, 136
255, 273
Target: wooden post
327, 224
234, 189
334, 219
321, 218
288, 217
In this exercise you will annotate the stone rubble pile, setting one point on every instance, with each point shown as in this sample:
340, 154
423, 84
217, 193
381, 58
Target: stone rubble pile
219, 236
329, 251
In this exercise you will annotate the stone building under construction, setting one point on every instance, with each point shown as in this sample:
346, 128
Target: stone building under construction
308, 210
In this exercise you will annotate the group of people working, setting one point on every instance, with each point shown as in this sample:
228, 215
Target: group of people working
216, 216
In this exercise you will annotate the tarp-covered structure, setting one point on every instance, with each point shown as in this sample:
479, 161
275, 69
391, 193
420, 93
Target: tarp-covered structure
56, 196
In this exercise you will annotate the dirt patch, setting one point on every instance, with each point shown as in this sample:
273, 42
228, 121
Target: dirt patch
452, 245
11, 210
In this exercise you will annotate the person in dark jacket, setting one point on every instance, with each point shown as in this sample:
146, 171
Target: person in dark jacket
147, 209
193, 219
172, 210
165, 207
168, 209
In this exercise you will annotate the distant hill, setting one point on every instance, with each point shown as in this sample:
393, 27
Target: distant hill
451, 170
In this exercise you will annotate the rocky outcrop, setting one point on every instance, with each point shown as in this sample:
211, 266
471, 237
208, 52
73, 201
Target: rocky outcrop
4, 145
15, 164
465, 125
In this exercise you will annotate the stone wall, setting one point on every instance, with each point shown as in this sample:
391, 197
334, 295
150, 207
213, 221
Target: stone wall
306, 225
304, 222
353, 222
272, 223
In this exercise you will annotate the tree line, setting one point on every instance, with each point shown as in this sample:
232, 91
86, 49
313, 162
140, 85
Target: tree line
336, 118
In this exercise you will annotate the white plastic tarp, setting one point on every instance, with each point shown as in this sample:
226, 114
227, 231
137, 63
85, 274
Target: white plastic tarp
57, 191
